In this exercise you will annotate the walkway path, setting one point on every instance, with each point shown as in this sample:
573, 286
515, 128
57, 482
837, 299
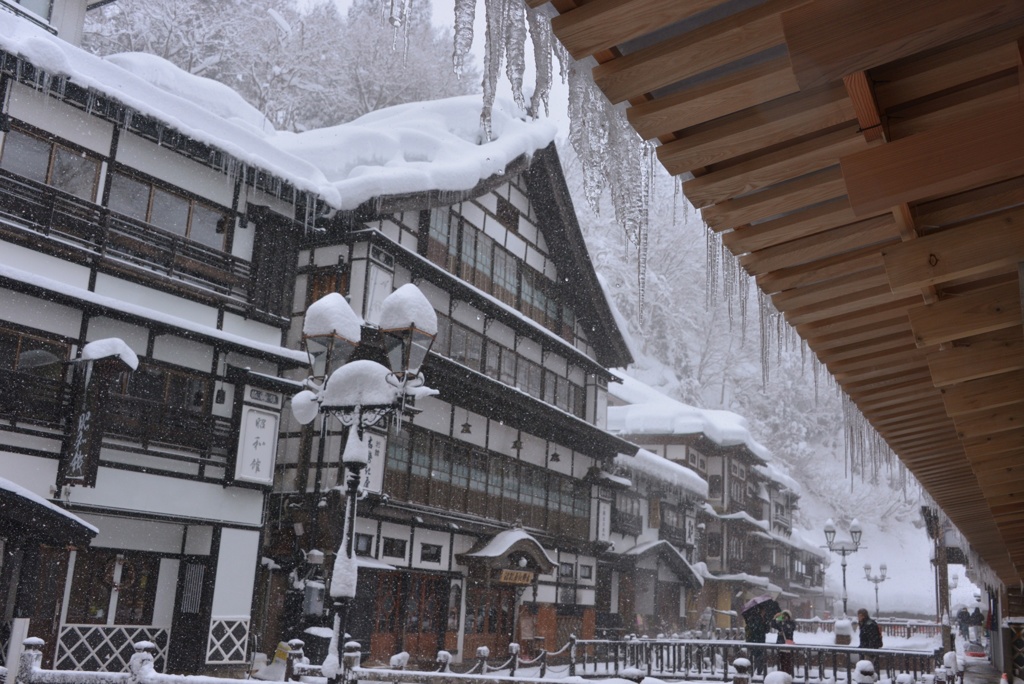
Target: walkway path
980, 671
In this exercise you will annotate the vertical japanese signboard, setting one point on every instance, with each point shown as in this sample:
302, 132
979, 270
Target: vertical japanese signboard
257, 437
80, 452
373, 475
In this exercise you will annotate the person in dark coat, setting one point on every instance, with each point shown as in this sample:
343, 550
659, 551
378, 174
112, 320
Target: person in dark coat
870, 633
963, 619
755, 630
785, 625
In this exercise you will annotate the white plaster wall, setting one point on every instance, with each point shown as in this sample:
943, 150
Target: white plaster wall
152, 493
236, 572
135, 336
66, 121
436, 415
39, 313
182, 352
31, 472
501, 438
35, 262
135, 535
158, 302
166, 586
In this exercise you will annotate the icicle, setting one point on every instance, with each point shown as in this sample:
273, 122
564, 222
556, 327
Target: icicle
465, 11
515, 49
540, 35
493, 55
765, 333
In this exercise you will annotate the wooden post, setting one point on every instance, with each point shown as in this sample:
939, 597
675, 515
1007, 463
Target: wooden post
31, 659
350, 661
742, 667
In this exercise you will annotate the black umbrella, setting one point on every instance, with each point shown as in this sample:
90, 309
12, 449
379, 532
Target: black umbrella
763, 605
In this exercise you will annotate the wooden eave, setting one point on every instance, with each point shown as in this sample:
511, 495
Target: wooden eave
864, 160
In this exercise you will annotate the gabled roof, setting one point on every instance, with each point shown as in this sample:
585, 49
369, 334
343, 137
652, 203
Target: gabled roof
25, 515
668, 553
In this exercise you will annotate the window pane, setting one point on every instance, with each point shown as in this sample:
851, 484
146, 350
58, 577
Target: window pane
74, 173
129, 197
169, 212
137, 590
209, 227
26, 156
39, 7
41, 358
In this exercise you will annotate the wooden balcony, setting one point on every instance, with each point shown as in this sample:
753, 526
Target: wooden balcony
32, 398
87, 232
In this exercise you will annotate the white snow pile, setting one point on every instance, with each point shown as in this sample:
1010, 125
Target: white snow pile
409, 148
332, 314
648, 411
407, 306
658, 468
360, 383
111, 347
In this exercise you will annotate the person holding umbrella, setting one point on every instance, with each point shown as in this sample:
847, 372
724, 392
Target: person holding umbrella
757, 615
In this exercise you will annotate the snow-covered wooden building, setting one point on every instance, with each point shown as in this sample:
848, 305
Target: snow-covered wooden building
142, 315
480, 525
739, 535
159, 245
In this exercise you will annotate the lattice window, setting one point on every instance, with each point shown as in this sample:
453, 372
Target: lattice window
5, 640
99, 648
229, 638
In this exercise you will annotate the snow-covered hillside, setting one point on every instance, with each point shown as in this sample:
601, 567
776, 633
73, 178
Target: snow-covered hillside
705, 348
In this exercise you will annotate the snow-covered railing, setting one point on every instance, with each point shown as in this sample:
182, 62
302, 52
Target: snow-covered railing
889, 626
140, 670
709, 659
688, 659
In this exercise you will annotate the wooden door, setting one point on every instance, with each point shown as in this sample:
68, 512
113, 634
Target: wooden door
489, 619
50, 568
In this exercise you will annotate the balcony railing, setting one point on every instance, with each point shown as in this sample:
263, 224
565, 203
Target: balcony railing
626, 523
28, 397
152, 422
117, 238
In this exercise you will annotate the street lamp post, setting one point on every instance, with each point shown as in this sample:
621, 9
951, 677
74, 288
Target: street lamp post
875, 579
360, 393
843, 548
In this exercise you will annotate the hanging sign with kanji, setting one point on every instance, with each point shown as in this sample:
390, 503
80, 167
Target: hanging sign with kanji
257, 446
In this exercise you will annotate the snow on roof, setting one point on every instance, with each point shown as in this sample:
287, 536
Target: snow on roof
500, 544
772, 472
409, 148
657, 467
741, 515
651, 412
24, 493
644, 547
147, 313
110, 347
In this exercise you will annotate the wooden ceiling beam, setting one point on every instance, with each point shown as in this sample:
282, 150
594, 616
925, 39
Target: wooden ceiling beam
837, 334
829, 39
602, 24
762, 171
733, 92
978, 357
994, 446
878, 343
830, 290
990, 421
893, 380
983, 149
984, 393
825, 345
993, 244
685, 56
873, 231
862, 94
777, 201
821, 271
847, 304
975, 313
967, 205
775, 122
